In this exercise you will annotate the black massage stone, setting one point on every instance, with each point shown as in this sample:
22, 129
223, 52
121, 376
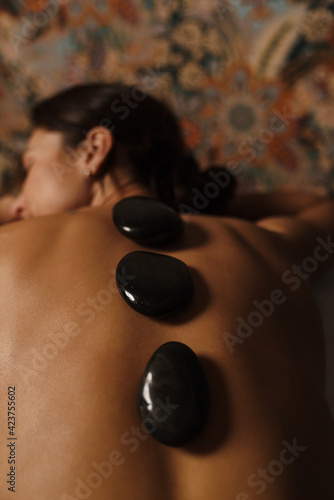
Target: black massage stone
147, 221
173, 396
154, 284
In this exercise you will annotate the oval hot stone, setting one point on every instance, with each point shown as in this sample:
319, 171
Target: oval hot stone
173, 396
147, 221
154, 284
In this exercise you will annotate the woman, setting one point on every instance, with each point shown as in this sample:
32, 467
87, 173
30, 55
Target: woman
133, 139
75, 352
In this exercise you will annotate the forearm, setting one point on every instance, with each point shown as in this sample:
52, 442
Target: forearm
255, 206
320, 215
308, 234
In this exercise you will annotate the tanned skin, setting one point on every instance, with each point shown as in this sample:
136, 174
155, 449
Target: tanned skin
269, 430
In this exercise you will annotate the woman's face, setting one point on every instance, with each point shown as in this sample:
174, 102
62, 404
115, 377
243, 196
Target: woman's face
54, 181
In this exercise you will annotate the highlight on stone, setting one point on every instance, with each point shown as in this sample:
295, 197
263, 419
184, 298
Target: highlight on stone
173, 397
156, 284
147, 221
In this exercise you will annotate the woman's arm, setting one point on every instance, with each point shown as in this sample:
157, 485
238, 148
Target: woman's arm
309, 235
255, 206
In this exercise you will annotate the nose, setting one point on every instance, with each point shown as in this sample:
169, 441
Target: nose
18, 210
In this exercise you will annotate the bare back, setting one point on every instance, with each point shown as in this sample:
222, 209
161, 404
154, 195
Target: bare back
75, 353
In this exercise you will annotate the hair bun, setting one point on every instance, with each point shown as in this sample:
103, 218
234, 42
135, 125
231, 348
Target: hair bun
209, 190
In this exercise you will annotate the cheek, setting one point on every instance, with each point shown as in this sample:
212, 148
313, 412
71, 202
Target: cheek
42, 191
33, 186
48, 191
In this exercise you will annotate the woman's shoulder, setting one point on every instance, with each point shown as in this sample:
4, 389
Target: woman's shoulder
36, 238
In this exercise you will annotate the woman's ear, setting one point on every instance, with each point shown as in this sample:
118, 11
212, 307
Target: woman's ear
95, 149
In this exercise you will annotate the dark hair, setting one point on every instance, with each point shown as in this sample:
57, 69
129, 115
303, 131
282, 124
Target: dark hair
149, 133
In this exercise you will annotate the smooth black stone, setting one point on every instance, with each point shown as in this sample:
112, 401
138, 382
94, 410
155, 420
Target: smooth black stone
173, 396
154, 284
147, 221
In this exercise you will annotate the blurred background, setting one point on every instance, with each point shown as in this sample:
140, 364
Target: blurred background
251, 80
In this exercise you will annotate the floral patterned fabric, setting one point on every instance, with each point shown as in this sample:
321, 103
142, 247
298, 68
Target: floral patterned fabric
252, 81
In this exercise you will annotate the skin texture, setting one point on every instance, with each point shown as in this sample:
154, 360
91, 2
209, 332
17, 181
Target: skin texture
74, 410
75, 352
